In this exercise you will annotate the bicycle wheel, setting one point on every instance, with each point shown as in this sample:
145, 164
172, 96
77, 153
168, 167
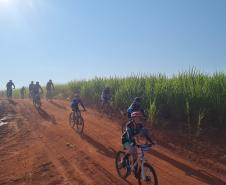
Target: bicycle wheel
122, 164
80, 124
150, 177
71, 120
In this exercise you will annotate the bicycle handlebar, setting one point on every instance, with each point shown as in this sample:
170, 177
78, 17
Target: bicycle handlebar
144, 146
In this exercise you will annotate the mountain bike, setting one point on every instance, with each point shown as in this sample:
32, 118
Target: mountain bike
142, 170
76, 119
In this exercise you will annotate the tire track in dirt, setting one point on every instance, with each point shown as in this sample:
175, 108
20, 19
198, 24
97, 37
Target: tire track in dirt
79, 160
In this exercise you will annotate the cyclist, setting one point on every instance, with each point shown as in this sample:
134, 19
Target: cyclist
135, 106
22, 92
10, 86
49, 89
36, 92
75, 106
135, 134
105, 96
31, 87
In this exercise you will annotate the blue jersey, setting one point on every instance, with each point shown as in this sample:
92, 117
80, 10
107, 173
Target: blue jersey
75, 102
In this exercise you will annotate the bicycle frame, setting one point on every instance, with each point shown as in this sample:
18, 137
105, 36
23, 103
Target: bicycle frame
141, 159
76, 114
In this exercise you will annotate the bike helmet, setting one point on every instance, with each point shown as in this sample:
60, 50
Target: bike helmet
37, 82
137, 99
136, 114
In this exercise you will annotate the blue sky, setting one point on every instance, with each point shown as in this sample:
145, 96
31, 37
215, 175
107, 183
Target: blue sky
65, 40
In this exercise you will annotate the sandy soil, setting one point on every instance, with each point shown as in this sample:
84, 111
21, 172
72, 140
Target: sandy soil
41, 148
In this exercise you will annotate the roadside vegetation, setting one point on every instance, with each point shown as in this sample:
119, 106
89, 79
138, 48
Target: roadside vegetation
192, 102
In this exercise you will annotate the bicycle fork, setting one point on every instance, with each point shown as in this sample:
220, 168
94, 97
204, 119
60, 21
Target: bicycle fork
142, 166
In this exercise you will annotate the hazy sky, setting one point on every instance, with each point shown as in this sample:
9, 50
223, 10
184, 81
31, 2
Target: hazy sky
64, 40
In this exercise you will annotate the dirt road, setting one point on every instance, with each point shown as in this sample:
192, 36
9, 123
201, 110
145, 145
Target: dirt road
41, 148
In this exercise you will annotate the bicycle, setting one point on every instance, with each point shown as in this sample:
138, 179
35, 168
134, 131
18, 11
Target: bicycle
139, 167
75, 118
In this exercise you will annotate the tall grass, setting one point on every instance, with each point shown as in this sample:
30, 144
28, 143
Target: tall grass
191, 101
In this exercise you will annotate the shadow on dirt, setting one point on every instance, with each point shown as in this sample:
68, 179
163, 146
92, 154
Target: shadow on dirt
12, 102
58, 105
109, 152
46, 116
199, 175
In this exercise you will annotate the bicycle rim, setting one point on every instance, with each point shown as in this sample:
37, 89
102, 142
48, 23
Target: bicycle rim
121, 164
150, 177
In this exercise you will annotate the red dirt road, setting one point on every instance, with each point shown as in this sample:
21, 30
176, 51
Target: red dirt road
42, 149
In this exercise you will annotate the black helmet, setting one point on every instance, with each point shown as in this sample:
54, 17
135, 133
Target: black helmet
37, 82
10, 80
137, 99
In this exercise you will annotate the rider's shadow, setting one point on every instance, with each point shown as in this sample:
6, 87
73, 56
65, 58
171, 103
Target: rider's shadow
109, 152
12, 102
46, 116
58, 105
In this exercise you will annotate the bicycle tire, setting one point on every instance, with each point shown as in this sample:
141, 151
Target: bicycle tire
117, 158
80, 124
154, 175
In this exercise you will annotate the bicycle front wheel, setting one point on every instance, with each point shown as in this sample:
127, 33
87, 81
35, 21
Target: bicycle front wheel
122, 165
148, 177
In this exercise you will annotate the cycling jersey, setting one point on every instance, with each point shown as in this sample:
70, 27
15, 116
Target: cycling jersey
49, 86
36, 89
31, 86
75, 103
10, 85
129, 136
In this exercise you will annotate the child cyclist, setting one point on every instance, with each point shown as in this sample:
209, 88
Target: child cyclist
134, 135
